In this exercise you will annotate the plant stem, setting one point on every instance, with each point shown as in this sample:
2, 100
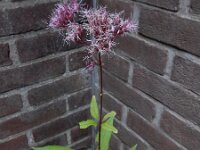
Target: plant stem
101, 98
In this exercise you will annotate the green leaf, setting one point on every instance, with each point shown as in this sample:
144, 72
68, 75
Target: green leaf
87, 123
53, 147
108, 127
105, 135
134, 147
94, 111
109, 115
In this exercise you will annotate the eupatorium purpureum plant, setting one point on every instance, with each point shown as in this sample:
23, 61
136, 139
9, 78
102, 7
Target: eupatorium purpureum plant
97, 29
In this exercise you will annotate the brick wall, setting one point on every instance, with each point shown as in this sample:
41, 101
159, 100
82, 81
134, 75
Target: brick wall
153, 80
44, 93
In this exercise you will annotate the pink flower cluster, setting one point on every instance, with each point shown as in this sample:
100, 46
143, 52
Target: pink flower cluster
102, 27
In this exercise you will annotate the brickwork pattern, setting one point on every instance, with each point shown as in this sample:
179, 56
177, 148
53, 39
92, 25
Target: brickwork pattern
153, 80
44, 92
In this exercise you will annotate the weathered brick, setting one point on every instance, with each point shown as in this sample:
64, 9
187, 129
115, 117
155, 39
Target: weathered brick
33, 18
150, 133
169, 94
40, 45
46, 93
118, 6
59, 126
10, 105
78, 134
33, 73
129, 139
183, 34
169, 4
19, 143
79, 99
129, 97
195, 6
31, 119
151, 55
113, 63
115, 143
5, 55
76, 60
180, 131
84, 144
111, 105
187, 73
60, 140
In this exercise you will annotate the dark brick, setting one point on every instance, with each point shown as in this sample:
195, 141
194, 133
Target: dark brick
150, 133
31, 119
115, 143
46, 93
59, 126
195, 6
5, 55
169, 94
111, 105
129, 139
19, 143
76, 60
113, 63
33, 18
79, 99
149, 55
169, 4
60, 140
129, 97
180, 131
33, 73
118, 6
183, 34
40, 45
10, 105
83, 145
78, 134
187, 73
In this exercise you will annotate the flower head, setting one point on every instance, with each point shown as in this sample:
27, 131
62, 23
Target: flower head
63, 14
102, 27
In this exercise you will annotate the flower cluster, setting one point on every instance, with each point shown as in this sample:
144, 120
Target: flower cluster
103, 28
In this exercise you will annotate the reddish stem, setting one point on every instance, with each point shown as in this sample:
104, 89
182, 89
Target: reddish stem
101, 98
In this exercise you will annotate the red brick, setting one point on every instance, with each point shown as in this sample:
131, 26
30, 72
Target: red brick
59, 126
184, 34
78, 134
10, 105
19, 143
40, 45
168, 93
149, 55
130, 139
115, 143
195, 6
187, 73
24, 19
30, 74
76, 60
113, 63
169, 4
46, 93
5, 55
31, 119
118, 6
79, 99
129, 97
150, 133
60, 140
180, 131
83, 145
